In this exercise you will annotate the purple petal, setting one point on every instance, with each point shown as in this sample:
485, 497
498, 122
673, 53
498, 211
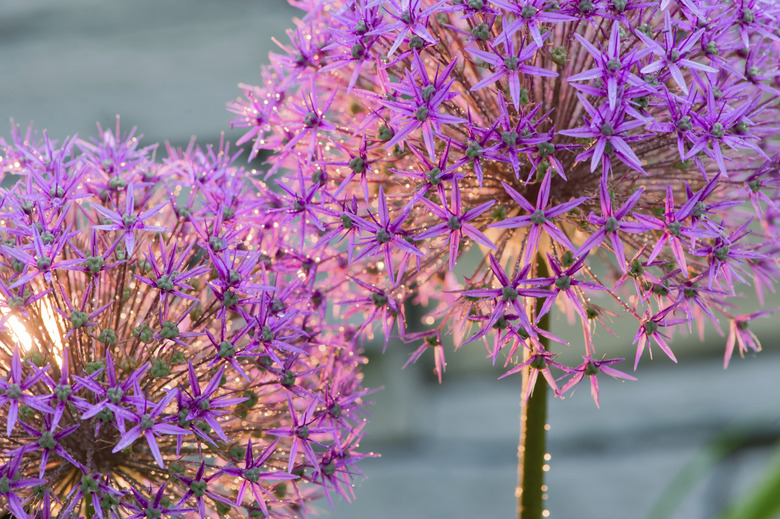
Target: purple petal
128, 438
154, 448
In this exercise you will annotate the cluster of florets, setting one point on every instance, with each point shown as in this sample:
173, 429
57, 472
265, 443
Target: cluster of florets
163, 348
594, 155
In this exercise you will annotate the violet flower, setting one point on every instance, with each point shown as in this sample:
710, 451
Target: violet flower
128, 222
455, 224
147, 424
510, 65
13, 391
538, 218
11, 483
591, 368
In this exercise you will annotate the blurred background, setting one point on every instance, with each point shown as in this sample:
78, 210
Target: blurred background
687, 438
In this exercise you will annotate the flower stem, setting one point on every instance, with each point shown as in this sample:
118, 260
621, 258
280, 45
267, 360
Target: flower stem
532, 447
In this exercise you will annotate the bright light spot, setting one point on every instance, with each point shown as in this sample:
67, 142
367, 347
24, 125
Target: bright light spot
19, 332
27, 341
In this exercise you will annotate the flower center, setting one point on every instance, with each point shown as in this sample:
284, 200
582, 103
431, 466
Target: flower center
563, 283
382, 236
454, 223
508, 293
422, 114
529, 11
311, 120
509, 138
612, 224
128, 220
613, 65
226, 349
538, 218
511, 62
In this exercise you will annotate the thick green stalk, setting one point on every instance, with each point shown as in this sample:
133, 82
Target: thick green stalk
533, 439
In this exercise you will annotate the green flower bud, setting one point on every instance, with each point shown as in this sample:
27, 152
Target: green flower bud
178, 358
538, 218
63, 392
481, 32
89, 485
558, 55
43, 263
378, 299
415, 42
563, 283
169, 330
159, 368
47, 441
357, 164
93, 367
17, 265
143, 333
620, 5
115, 394
230, 299
382, 236
426, 92
226, 349
117, 183
311, 119
384, 133
107, 336
591, 369
524, 98
94, 264
198, 488
78, 319
421, 114
288, 378
650, 327
636, 269
508, 294
474, 150
216, 243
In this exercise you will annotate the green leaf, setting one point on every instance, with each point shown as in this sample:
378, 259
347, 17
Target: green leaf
762, 502
717, 450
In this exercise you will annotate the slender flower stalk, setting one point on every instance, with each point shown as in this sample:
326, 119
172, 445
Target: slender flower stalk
532, 446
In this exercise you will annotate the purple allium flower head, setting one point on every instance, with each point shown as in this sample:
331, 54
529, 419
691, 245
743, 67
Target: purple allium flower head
156, 318
640, 129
